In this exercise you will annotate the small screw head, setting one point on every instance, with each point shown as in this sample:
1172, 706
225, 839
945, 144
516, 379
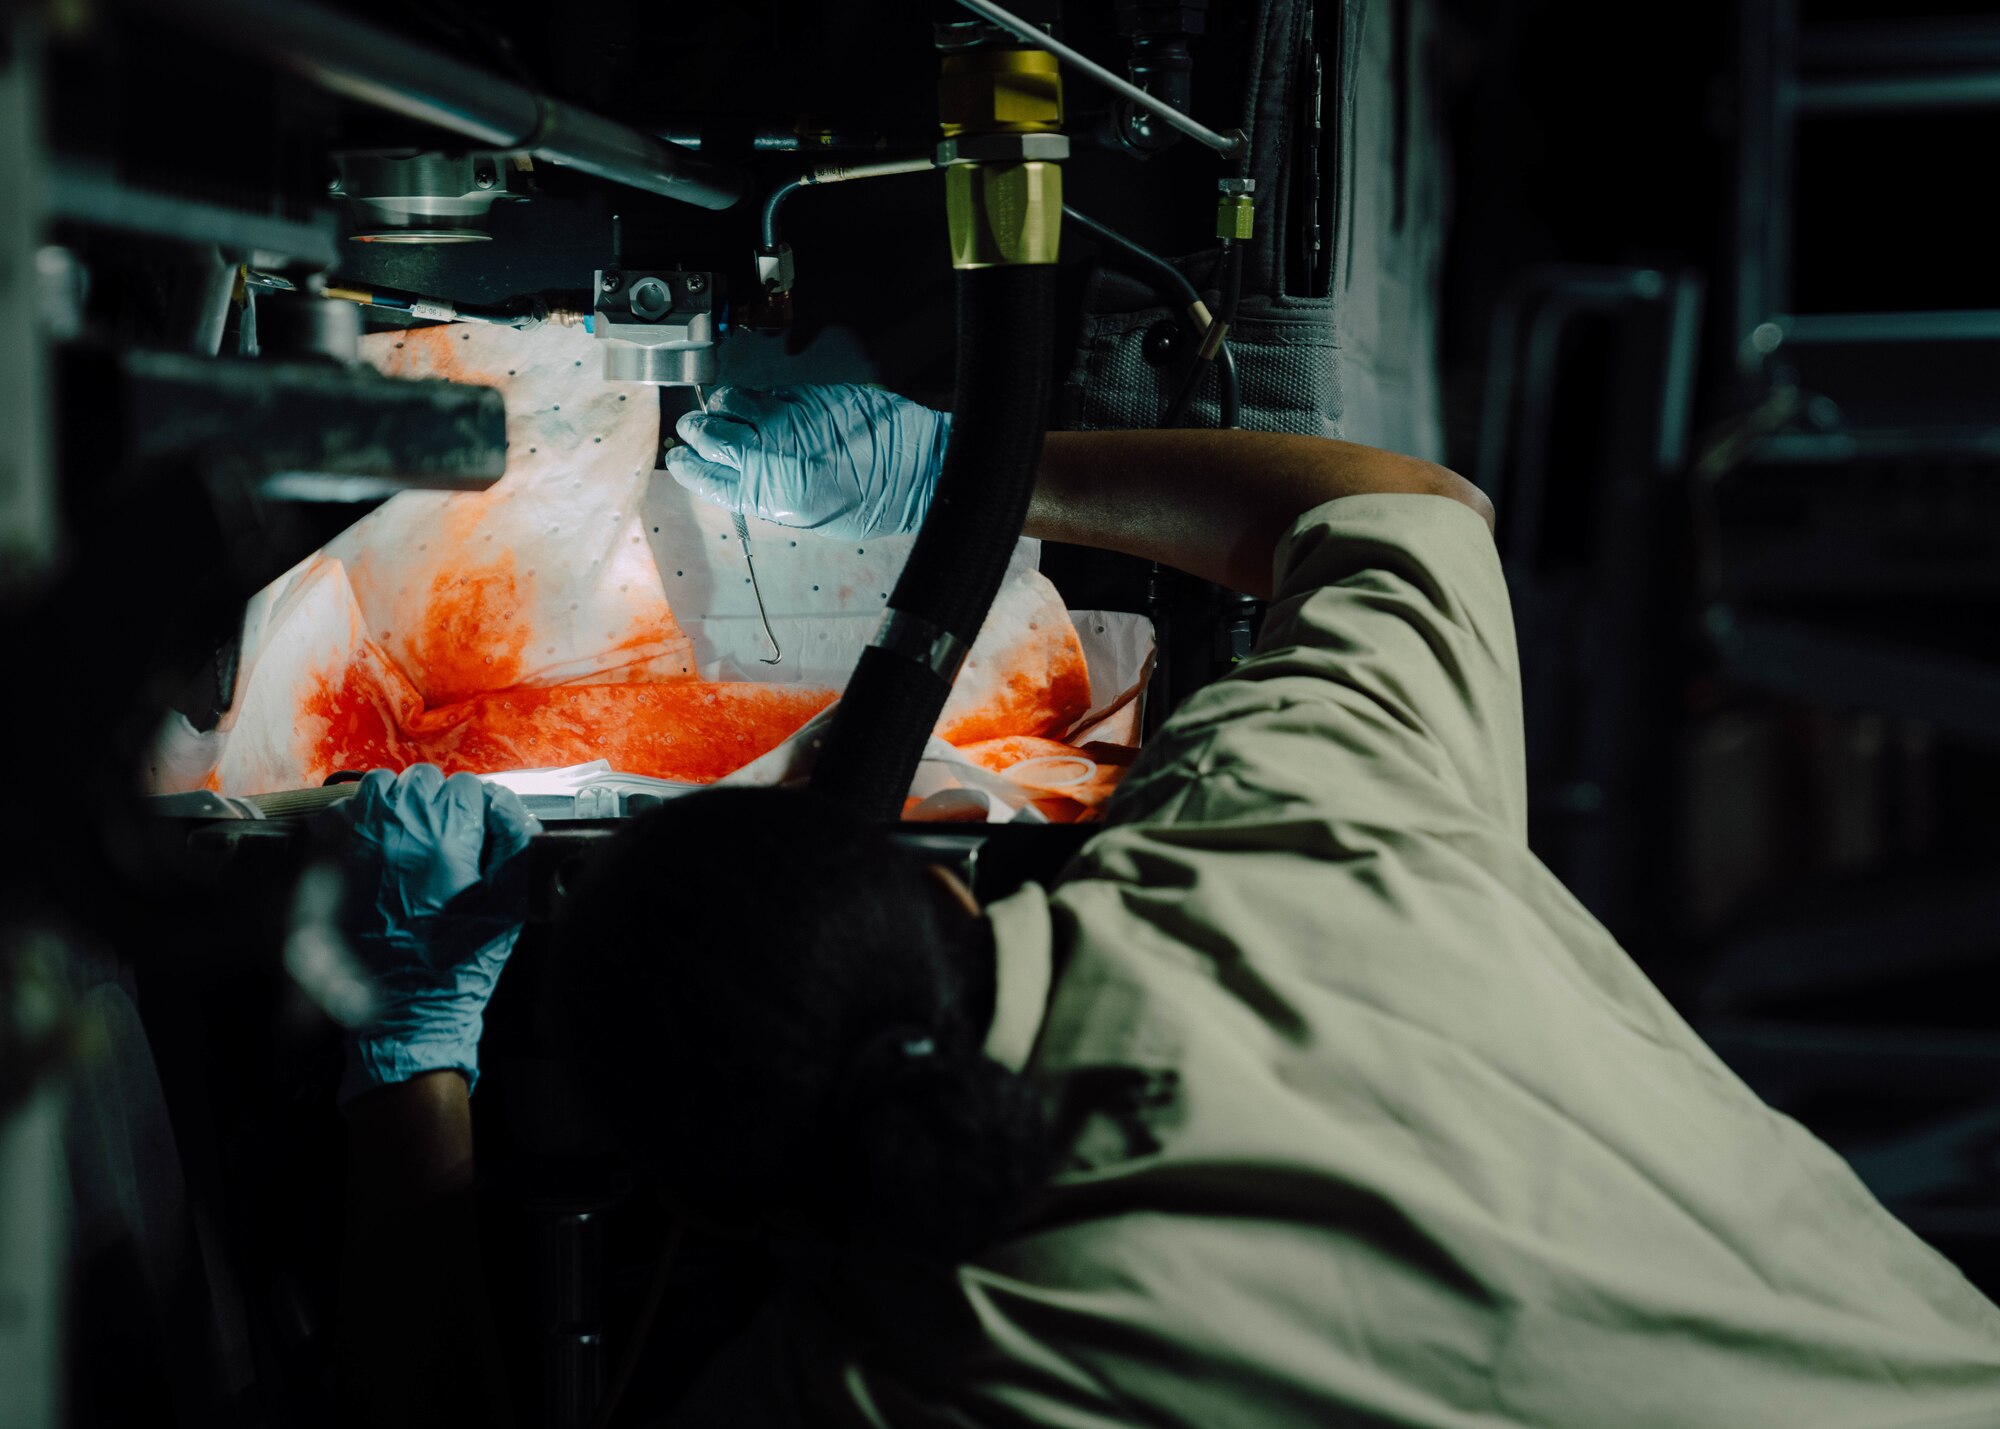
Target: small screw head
483, 177
612, 282
695, 282
335, 184
1163, 343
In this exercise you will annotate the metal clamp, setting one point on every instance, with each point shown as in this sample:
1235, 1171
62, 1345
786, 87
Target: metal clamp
776, 272
917, 639
656, 327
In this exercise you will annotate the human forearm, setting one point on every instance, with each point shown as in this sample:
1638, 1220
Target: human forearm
438, 897
408, 1145
853, 462
416, 1342
1213, 504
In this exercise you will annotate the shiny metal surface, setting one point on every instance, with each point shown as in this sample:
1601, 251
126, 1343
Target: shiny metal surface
657, 328
385, 71
1230, 145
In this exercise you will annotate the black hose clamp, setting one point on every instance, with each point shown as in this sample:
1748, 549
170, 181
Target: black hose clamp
921, 642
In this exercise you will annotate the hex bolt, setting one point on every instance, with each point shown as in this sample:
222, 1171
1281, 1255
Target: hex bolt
650, 299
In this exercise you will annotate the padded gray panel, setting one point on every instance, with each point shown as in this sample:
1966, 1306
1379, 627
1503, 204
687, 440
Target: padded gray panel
1360, 361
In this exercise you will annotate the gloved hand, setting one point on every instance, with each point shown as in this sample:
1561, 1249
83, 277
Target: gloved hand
436, 898
844, 461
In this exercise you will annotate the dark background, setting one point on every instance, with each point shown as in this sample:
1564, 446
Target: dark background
1789, 819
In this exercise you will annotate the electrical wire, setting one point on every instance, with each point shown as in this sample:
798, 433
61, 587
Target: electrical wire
1210, 330
1229, 399
531, 314
1205, 359
1214, 353
1168, 280
1227, 391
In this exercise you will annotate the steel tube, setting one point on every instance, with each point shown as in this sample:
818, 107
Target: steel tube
385, 71
1228, 145
833, 174
1886, 94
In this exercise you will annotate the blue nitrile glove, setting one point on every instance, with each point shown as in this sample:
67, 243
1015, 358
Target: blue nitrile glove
844, 461
436, 898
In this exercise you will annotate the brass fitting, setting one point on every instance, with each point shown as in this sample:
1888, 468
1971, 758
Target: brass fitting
1236, 209
1003, 215
1000, 91
1001, 113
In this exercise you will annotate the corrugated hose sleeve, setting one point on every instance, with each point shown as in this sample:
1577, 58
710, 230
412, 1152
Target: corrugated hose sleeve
1006, 324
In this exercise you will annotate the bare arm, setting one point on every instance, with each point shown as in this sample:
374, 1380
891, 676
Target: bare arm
437, 896
415, 1342
1213, 503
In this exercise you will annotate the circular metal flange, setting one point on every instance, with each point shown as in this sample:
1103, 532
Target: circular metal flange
420, 235
660, 366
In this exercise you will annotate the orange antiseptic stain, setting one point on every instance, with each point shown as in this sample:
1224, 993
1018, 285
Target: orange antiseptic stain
360, 726
689, 730
435, 352
456, 703
472, 635
1040, 701
686, 730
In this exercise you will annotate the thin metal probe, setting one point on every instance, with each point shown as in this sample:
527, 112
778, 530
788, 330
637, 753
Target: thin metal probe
743, 535
749, 560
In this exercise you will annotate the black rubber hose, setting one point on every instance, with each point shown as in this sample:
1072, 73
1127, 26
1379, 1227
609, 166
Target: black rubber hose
1168, 280
1227, 390
1184, 396
1006, 330
1170, 283
1225, 361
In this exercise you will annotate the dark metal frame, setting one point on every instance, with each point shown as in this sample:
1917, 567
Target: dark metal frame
1893, 411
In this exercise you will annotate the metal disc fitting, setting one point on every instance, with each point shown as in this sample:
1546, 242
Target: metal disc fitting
1003, 148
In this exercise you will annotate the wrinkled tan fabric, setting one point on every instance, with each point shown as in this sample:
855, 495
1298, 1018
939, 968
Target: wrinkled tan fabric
1370, 1122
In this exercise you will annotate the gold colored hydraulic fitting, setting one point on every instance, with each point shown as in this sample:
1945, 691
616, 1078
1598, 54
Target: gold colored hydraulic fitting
1000, 91
1236, 209
1003, 215
1001, 113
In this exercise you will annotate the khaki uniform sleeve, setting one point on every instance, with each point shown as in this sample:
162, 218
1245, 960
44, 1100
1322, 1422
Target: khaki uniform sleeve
1385, 685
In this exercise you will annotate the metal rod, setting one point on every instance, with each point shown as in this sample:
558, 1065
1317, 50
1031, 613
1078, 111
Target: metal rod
386, 71
685, 132
1880, 94
1228, 145
834, 174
